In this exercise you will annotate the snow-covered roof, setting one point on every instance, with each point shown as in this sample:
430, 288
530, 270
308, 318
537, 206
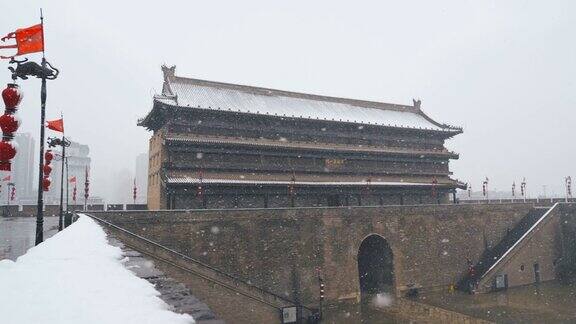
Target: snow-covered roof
202, 94
196, 180
230, 178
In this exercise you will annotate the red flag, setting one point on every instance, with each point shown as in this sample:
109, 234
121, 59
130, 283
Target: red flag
28, 40
56, 125
6, 178
73, 179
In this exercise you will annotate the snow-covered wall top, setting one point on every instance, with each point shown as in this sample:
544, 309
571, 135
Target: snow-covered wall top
186, 92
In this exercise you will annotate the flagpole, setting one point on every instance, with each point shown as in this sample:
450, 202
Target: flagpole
40, 205
61, 216
74, 194
67, 184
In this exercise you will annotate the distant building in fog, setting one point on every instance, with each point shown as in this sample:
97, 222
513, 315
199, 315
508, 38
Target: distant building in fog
141, 175
23, 166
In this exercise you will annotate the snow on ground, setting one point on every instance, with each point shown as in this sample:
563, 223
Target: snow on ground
77, 277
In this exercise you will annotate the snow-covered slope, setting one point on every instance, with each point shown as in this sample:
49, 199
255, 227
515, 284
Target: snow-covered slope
77, 277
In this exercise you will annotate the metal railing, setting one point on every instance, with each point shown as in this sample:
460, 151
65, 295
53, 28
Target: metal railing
216, 276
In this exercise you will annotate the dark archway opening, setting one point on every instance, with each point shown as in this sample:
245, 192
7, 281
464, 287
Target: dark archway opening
375, 266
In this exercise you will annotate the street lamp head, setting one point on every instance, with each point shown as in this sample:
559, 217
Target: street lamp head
55, 141
58, 157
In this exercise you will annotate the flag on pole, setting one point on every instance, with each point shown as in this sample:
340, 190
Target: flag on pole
28, 40
6, 178
73, 179
56, 125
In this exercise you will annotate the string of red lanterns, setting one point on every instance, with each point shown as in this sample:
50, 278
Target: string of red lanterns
9, 123
86, 190
292, 186
47, 169
199, 189
134, 192
434, 184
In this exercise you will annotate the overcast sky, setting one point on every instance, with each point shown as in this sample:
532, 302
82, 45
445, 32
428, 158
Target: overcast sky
502, 70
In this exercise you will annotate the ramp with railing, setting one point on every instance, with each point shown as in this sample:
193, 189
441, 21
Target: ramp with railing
234, 299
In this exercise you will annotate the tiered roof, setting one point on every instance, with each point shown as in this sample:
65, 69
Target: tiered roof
208, 95
313, 146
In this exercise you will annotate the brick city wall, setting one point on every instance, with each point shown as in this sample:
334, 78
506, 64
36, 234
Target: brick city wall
281, 249
567, 266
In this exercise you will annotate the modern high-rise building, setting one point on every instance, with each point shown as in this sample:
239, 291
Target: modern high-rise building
141, 175
78, 161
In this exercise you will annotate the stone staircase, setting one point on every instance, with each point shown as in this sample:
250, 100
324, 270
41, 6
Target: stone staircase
491, 256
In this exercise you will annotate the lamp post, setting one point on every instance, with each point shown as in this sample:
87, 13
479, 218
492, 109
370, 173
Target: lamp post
485, 189
53, 142
568, 182
86, 190
67, 183
523, 189
29, 40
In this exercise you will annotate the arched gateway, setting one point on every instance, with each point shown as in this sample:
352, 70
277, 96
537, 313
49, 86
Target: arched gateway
375, 265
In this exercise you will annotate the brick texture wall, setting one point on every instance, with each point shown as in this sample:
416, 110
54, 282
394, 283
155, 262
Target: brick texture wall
282, 249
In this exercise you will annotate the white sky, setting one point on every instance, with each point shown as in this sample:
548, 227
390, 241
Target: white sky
503, 71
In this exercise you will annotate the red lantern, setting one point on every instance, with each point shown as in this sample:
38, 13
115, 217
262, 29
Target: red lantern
46, 183
9, 123
7, 150
48, 156
11, 96
47, 170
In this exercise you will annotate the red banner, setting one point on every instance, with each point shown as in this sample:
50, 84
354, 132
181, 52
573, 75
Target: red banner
56, 125
28, 40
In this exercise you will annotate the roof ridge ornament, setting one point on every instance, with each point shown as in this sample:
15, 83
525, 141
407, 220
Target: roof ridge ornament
168, 71
417, 103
